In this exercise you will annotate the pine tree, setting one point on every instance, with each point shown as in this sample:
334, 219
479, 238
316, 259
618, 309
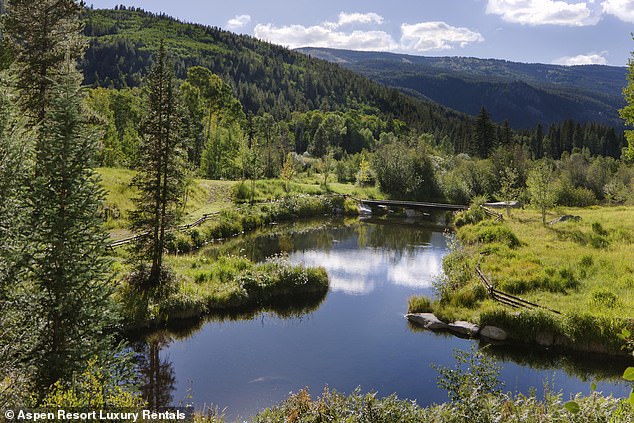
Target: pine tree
41, 34
627, 112
69, 270
160, 177
16, 145
484, 135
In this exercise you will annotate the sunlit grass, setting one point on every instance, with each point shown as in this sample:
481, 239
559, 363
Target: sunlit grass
582, 269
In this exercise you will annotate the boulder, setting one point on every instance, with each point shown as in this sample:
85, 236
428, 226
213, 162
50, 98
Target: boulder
565, 218
464, 328
494, 333
427, 320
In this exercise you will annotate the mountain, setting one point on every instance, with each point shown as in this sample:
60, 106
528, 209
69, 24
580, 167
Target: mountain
522, 93
264, 77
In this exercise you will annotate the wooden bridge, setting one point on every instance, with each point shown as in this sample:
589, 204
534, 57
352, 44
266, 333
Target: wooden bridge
410, 204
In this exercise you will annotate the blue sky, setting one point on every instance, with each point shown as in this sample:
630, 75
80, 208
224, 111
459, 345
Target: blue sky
545, 31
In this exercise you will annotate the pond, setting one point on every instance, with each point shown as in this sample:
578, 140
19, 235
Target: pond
355, 337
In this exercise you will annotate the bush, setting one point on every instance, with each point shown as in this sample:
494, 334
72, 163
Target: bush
603, 297
471, 216
488, 232
570, 196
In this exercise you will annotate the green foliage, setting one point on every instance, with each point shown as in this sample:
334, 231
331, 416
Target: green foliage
549, 279
160, 177
266, 78
474, 375
567, 195
488, 232
227, 283
43, 36
525, 94
539, 184
404, 172
16, 164
627, 112
93, 389
474, 214
419, 304
604, 298
525, 325
67, 242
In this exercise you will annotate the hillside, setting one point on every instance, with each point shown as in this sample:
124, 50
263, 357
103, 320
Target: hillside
264, 77
524, 94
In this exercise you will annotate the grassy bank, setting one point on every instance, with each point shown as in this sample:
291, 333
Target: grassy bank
583, 269
205, 196
201, 286
229, 284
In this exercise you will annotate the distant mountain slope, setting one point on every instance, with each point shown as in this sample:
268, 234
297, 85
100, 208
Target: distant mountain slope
525, 94
265, 77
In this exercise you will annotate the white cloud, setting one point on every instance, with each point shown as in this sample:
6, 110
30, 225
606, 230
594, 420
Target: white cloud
361, 272
546, 12
582, 59
362, 18
622, 9
238, 22
419, 37
427, 36
294, 36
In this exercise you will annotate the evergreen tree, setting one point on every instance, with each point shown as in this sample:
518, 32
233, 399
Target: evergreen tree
41, 33
484, 139
68, 268
627, 112
160, 177
16, 144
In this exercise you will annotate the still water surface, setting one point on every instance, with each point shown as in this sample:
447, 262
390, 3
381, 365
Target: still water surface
355, 337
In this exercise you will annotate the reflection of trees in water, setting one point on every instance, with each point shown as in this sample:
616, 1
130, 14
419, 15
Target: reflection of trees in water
397, 235
156, 373
186, 328
587, 367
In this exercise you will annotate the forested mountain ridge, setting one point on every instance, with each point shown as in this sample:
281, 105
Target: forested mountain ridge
525, 94
264, 77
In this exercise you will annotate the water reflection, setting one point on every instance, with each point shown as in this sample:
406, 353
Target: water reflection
156, 372
355, 336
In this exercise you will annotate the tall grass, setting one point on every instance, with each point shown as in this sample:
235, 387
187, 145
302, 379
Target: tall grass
582, 269
205, 286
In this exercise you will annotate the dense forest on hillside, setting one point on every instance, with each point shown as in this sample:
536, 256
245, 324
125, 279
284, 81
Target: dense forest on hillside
525, 94
264, 77
298, 92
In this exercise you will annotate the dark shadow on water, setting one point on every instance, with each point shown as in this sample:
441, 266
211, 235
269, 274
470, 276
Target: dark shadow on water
185, 328
585, 366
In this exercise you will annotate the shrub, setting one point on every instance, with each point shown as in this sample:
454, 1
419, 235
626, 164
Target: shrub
603, 297
488, 232
570, 196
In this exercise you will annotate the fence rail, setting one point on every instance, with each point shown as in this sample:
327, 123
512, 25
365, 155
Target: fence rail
508, 299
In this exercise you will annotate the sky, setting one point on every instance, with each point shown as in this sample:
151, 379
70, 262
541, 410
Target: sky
568, 32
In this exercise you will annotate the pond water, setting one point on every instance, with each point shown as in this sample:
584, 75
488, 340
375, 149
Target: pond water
355, 337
